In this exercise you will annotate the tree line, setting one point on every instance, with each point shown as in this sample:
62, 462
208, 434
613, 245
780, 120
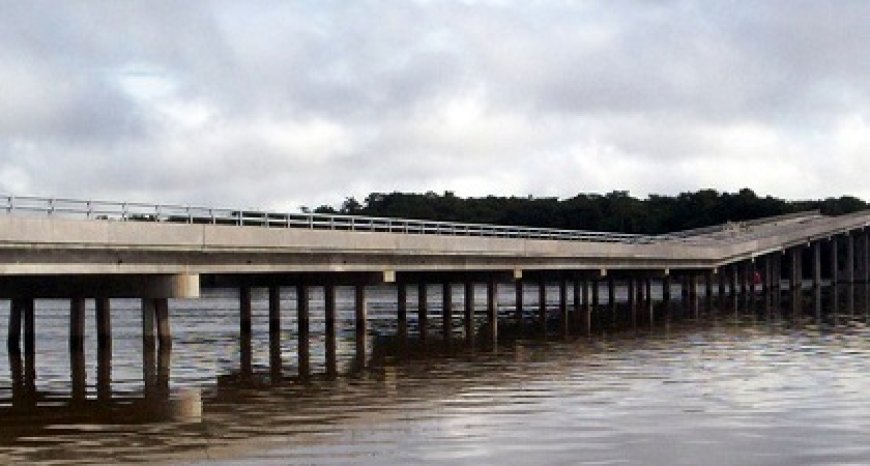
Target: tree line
616, 211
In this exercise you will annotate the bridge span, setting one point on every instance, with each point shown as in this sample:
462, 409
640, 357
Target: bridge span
78, 250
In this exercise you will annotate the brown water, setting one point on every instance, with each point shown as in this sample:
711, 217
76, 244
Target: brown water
751, 385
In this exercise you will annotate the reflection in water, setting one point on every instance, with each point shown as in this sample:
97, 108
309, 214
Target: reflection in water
742, 385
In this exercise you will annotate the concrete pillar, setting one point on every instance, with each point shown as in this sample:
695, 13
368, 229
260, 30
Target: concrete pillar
360, 323
865, 263
563, 305
611, 293
104, 348
750, 276
402, 307
422, 310
161, 314
817, 264
720, 278
469, 311
275, 312
303, 319
446, 309
850, 258
708, 285
648, 285
735, 279
492, 309
164, 360
149, 361
77, 325
692, 280
360, 309
795, 264
633, 300
578, 306
518, 290
587, 307
245, 311
542, 303
29, 317
684, 287
596, 301
104, 323
275, 363
585, 294
834, 261
78, 375
329, 329
666, 288
13, 338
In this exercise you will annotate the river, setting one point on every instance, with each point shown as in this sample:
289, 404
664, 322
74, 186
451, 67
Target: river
717, 384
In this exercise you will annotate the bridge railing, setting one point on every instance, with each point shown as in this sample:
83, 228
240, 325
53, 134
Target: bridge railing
142, 212
169, 213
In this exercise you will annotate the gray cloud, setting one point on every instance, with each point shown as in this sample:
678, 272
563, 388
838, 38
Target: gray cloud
279, 104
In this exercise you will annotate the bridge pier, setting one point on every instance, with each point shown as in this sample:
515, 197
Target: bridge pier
542, 304
564, 324
275, 329
329, 329
402, 309
611, 299
77, 325
666, 288
469, 312
104, 324
579, 323
303, 316
850, 258
422, 310
518, 291
595, 310
161, 314
245, 311
446, 310
865, 259
360, 324
13, 335
149, 357
492, 310
104, 348
587, 307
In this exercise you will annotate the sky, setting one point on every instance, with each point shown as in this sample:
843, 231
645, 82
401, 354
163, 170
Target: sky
280, 104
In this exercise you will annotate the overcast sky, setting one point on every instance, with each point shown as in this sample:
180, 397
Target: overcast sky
279, 104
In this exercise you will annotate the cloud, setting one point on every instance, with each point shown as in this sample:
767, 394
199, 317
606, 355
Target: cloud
279, 104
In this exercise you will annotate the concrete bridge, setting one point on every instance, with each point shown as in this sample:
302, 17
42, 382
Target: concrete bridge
78, 250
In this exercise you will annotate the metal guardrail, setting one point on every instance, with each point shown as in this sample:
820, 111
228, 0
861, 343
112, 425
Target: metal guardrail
142, 212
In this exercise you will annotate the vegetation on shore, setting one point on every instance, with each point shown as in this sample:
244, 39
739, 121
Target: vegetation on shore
615, 211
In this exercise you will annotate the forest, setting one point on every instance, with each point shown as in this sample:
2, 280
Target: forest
616, 211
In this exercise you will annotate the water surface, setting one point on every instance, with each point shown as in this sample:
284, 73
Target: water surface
714, 385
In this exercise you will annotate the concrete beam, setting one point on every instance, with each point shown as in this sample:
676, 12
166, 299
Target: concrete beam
100, 286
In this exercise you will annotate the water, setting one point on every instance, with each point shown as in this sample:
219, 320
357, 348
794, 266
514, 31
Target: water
751, 385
